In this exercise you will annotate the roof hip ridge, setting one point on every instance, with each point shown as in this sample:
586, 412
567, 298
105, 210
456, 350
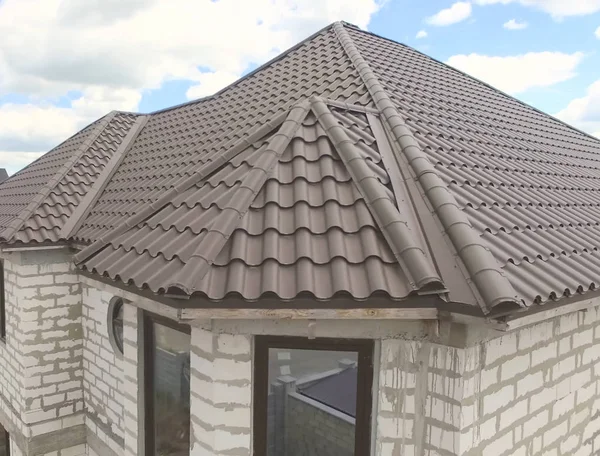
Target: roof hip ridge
91, 197
483, 269
39, 198
415, 264
227, 221
199, 172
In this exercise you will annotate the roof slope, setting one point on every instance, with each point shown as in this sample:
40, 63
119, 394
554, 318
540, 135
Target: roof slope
474, 196
528, 183
37, 201
175, 141
306, 210
3, 175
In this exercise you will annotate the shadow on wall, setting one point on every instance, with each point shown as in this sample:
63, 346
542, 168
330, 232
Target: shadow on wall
313, 415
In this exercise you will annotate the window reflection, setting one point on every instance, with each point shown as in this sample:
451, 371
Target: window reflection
4, 443
311, 402
171, 391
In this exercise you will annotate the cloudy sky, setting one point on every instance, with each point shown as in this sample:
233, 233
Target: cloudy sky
64, 63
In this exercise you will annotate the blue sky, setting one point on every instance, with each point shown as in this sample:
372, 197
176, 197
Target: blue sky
64, 63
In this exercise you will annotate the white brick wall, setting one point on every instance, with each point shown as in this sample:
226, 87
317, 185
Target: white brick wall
221, 393
103, 371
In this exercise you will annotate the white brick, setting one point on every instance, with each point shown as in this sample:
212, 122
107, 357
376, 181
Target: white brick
500, 347
545, 353
563, 405
582, 338
555, 433
233, 344
513, 414
530, 383
535, 423
514, 367
498, 399
499, 445
533, 335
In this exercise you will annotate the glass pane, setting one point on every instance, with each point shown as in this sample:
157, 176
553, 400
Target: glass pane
118, 325
311, 402
171, 391
4, 443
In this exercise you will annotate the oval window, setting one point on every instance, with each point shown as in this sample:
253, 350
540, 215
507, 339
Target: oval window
115, 324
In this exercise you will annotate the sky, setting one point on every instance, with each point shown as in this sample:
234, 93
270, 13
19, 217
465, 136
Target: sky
65, 63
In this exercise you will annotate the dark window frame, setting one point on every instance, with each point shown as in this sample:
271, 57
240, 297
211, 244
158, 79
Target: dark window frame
149, 352
364, 404
114, 305
2, 304
6, 440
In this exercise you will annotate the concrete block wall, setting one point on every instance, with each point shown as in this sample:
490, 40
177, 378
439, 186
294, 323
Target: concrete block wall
103, 371
43, 350
536, 390
221, 394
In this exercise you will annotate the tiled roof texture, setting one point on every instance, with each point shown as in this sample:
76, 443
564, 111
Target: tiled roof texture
3, 175
526, 181
175, 141
50, 214
479, 193
19, 190
304, 228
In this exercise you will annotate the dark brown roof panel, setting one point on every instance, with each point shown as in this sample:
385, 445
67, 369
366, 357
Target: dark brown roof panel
308, 230
527, 182
176, 140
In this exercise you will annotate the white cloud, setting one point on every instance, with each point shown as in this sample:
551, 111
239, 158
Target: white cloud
14, 160
598, 33
584, 112
209, 83
513, 24
458, 12
556, 8
421, 34
111, 51
516, 74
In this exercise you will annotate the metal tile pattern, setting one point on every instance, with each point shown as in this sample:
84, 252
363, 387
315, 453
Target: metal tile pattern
3, 175
18, 191
307, 229
45, 222
526, 181
174, 141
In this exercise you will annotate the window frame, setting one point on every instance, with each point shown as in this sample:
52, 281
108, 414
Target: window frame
149, 351
6, 441
2, 303
364, 390
113, 305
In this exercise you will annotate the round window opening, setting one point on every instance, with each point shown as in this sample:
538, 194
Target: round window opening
115, 324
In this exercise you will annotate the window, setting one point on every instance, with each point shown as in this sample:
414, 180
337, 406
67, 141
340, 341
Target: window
167, 377
2, 304
312, 397
4, 442
115, 324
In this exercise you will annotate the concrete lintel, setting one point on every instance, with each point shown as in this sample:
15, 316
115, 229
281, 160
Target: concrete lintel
57, 440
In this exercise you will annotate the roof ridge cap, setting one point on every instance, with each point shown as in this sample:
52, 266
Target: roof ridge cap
419, 269
199, 172
39, 198
78, 216
224, 224
481, 265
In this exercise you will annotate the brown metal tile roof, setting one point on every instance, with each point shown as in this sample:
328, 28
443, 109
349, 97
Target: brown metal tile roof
37, 201
404, 177
526, 181
3, 175
222, 236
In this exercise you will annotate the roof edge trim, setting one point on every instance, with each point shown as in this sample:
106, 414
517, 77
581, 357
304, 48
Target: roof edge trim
224, 225
481, 265
201, 171
412, 258
82, 210
39, 198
